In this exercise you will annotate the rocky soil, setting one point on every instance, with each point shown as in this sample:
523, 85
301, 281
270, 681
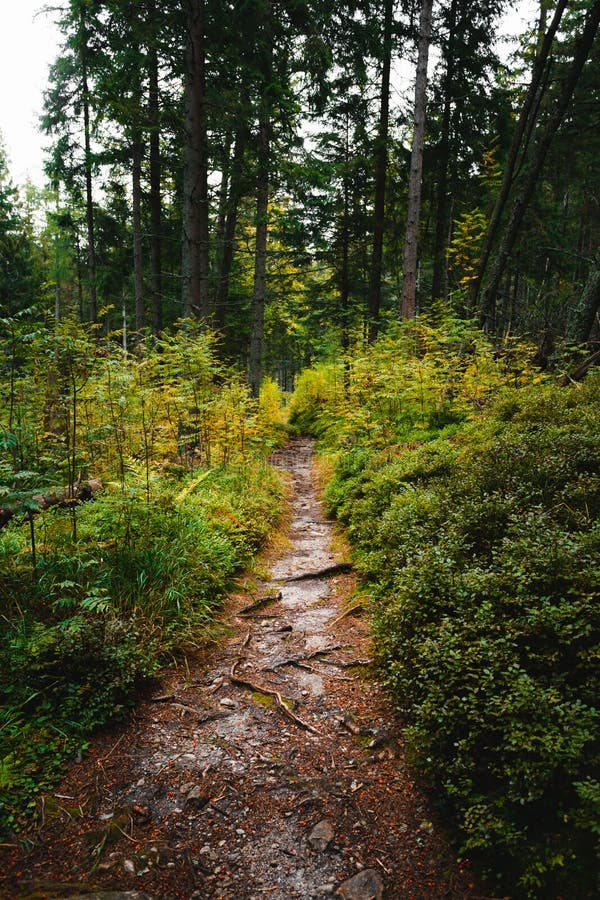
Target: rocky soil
271, 767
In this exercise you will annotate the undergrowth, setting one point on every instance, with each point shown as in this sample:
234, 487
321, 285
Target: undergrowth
470, 488
97, 597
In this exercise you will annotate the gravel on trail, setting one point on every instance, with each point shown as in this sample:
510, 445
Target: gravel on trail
271, 766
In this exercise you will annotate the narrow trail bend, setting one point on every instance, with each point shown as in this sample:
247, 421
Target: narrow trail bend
270, 769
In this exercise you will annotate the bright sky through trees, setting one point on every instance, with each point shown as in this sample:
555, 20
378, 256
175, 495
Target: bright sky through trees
28, 45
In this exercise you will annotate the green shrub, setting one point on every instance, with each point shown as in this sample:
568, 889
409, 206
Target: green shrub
482, 543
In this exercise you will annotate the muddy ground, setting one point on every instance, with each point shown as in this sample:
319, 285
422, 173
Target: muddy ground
269, 768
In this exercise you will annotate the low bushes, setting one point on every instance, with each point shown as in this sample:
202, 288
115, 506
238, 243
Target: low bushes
483, 547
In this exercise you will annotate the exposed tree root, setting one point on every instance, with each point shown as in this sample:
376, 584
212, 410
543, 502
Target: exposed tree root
258, 604
250, 685
337, 569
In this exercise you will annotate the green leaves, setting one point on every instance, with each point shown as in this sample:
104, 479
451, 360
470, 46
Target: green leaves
483, 545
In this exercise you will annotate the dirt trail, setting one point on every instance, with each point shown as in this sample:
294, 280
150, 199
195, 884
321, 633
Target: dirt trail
220, 790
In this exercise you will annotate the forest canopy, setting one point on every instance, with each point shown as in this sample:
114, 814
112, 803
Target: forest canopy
252, 165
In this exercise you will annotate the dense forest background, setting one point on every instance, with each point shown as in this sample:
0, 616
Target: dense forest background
249, 164
241, 204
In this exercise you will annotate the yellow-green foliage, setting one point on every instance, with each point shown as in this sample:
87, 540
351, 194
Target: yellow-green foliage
437, 370
270, 404
470, 488
96, 596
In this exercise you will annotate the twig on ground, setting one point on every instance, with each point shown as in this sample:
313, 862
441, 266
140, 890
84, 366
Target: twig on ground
351, 611
111, 751
242, 682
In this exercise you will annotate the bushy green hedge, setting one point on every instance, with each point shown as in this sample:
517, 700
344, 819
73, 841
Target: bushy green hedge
485, 551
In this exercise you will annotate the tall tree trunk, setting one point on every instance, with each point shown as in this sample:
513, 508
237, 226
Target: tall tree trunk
195, 175
262, 204
584, 315
260, 254
57, 296
136, 220
525, 124
583, 47
235, 192
155, 188
89, 198
226, 165
345, 242
409, 287
381, 159
439, 287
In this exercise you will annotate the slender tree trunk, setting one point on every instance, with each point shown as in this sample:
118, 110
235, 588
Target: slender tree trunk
381, 160
525, 123
79, 267
136, 218
226, 164
585, 313
345, 242
235, 192
89, 198
57, 297
583, 47
260, 255
439, 287
408, 300
262, 205
155, 189
195, 177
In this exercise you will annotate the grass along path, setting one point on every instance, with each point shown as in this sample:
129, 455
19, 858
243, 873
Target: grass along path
271, 767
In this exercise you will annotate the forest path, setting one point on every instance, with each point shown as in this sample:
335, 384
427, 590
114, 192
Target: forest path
218, 789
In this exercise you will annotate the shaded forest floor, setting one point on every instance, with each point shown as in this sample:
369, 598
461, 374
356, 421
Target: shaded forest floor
268, 767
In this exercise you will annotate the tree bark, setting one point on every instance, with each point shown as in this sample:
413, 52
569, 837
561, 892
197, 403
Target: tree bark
408, 299
155, 189
89, 198
526, 122
584, 315
235, 193
583, 47
381, 160
260, 254
262, 205
136, 219
57, 294
345, 246
439, 287
195, 178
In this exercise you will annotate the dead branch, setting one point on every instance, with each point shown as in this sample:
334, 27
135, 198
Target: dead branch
250, 685
61, 497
